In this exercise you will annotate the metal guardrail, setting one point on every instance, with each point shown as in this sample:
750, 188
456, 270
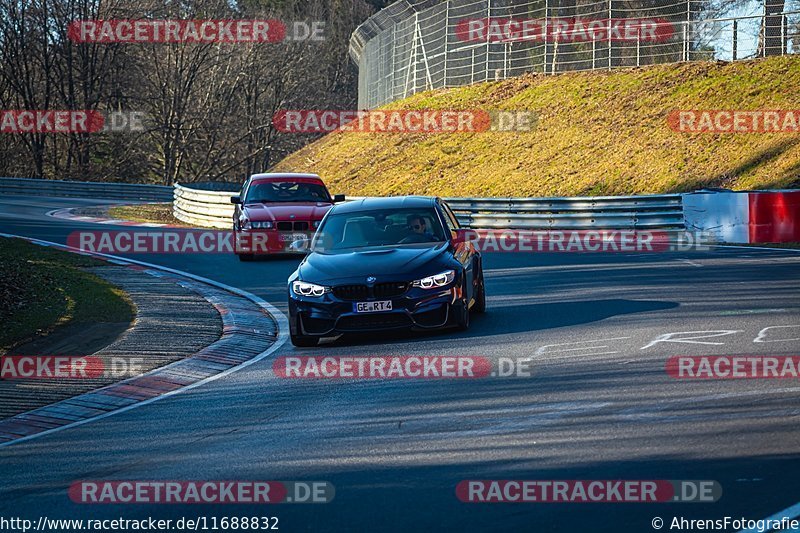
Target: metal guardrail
85, 189
212, 208
663, 212
209, 209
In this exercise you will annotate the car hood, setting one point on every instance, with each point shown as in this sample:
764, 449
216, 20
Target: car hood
277, 212
390, 264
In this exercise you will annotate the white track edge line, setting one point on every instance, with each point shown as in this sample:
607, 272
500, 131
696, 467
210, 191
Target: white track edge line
280, 320
790, 512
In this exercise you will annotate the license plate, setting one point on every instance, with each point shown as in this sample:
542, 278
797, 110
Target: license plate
372, 307
291, 237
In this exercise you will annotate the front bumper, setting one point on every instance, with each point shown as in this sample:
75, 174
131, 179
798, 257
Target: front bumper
417, 309
268, 241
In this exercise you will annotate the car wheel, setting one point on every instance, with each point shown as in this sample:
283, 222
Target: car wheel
480, 297
303, 341
462, 314
246, 257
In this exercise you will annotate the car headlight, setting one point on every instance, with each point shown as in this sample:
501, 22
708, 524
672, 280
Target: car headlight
303, 288
246, 224
441, 279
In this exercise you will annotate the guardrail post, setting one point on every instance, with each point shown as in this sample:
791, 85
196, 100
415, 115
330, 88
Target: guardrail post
735, 38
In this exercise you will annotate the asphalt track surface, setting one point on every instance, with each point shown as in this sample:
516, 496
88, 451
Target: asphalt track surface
598, 405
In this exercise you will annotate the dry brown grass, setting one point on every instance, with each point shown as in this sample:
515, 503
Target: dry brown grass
598, 133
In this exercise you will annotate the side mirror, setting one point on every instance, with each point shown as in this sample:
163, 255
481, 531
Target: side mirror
338, 198
463, 235
236, 200
300, 245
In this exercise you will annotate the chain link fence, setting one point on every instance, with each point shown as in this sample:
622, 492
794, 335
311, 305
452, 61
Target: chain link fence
417, 45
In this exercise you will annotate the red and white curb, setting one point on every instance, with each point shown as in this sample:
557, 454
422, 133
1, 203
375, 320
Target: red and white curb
250, 334
69, 214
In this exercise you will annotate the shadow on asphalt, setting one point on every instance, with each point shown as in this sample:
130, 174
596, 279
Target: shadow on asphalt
519, 318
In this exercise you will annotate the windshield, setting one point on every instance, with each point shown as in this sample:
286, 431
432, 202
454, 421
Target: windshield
286, 191
378, 228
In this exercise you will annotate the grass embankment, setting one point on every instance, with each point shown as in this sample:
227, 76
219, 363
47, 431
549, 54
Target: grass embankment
600, 133
158, 213
42, 289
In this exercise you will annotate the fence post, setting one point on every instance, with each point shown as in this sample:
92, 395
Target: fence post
608, 35
783, 33
446, 35
505, 60
638, 47
686, 42
412, 62
555, 55
688, 21
594, 51
416, 32
472, 73
546, 34
735, 38
394, 51
488, 21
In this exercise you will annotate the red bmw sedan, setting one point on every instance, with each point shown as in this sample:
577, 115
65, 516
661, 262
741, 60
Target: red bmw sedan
274, 210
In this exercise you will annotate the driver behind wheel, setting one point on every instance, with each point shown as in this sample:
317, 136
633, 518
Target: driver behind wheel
419, 229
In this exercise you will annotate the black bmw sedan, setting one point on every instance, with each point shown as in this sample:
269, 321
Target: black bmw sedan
384, 264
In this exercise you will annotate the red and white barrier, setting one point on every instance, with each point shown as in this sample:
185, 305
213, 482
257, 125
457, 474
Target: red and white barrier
744, 217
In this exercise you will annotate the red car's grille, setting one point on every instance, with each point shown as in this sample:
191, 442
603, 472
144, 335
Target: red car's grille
292, 226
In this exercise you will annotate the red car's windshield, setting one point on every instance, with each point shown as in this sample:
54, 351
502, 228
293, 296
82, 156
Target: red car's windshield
287, 191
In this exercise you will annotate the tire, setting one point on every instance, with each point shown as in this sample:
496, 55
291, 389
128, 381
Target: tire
246, 258
304, 341
300, 340
462, 313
